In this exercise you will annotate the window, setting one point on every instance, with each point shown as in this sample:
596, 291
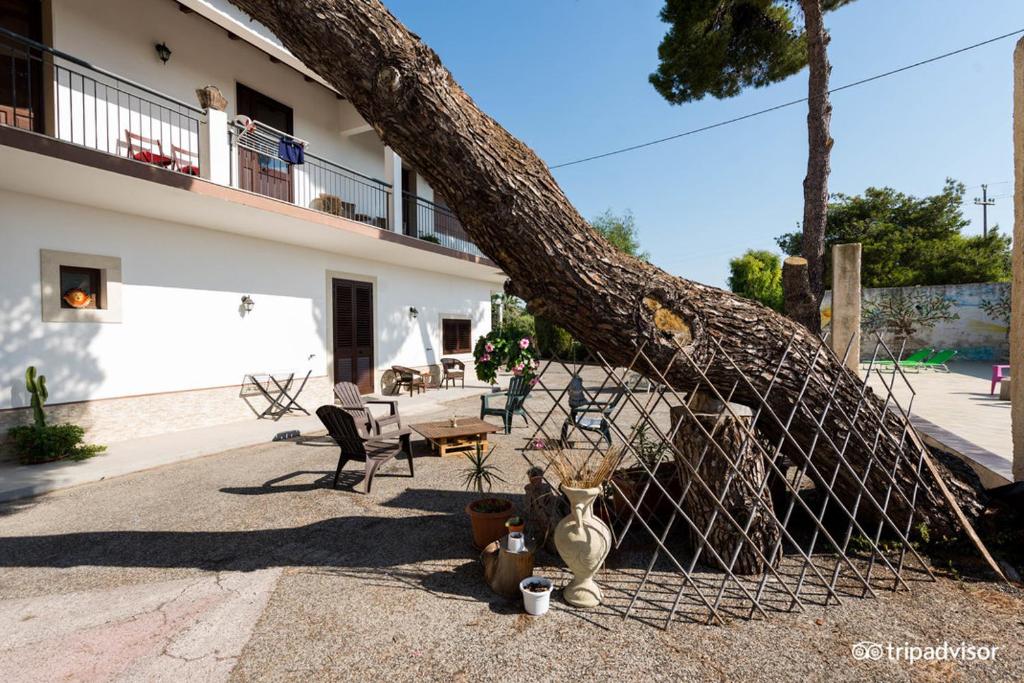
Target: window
455, 335
80, 287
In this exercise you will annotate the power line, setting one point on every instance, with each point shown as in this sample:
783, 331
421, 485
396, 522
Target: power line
791, 103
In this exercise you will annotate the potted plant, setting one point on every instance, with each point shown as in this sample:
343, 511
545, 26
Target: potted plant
499, 351
629, 481
536, 592
487, 515
582, 539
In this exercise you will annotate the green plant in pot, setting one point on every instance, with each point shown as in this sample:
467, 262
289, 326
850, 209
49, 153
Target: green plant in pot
488, 514
39, 442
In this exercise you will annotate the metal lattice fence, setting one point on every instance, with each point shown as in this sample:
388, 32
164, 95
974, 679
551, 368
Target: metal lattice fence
718, 511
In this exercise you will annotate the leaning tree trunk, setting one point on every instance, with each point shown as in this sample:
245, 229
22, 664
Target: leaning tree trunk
515, 212
819, 118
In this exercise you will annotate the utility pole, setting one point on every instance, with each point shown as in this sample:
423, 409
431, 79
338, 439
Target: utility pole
984, 203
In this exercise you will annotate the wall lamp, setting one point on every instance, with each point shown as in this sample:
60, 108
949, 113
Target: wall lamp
413, 313
247, 303
163, 52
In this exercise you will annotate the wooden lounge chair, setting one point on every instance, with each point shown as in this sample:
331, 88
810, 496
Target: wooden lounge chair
511, 402
589, 414
146, 150
356, 444
453, 369
354, 404
407, 377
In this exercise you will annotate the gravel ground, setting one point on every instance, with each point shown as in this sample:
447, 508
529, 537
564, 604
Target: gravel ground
388, 586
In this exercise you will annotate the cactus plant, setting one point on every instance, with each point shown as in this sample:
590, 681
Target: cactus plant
36, 386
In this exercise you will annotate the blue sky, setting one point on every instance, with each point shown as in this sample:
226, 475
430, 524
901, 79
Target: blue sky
569, 77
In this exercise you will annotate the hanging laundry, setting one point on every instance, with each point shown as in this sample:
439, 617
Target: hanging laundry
291, 151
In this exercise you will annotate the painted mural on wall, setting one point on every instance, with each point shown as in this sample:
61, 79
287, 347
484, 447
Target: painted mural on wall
974, 319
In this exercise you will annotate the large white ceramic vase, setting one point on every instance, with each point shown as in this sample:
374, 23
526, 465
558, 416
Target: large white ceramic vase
583, 541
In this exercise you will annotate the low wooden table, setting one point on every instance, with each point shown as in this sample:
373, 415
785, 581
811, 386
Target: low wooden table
448, 440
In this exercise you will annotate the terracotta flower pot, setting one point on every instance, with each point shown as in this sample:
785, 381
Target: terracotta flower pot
489, 525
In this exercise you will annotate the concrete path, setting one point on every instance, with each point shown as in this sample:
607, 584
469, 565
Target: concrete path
956, 410
18, 481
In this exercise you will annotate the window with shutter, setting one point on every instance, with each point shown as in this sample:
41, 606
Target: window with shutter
456, 335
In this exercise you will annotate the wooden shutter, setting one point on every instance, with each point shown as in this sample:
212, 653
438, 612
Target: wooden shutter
353, 334
456, 336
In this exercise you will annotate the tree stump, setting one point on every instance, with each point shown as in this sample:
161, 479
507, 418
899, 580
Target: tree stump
730, 433
504, 570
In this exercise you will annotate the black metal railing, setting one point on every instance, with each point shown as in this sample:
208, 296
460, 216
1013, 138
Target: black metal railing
434, 223
316, 183
59, 95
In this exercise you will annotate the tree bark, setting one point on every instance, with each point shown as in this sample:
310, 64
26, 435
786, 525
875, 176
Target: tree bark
513, 209
737, 497
798, 302
819, 119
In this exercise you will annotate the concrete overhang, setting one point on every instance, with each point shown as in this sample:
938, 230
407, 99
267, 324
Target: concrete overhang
44, 167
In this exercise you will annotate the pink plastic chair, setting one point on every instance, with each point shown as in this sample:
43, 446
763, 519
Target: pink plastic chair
997, 376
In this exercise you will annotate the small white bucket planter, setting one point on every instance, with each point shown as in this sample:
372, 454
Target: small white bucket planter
536, 602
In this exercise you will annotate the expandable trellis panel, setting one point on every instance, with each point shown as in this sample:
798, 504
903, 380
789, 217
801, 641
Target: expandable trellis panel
712, 520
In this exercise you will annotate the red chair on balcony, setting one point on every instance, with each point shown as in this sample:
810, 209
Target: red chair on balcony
147, 150
185, 161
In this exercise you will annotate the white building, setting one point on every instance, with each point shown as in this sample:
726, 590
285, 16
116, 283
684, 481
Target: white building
115, 182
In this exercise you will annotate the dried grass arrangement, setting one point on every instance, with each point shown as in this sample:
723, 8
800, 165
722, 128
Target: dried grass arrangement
583, 469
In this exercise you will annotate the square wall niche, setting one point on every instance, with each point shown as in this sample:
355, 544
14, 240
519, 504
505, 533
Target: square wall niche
80, 288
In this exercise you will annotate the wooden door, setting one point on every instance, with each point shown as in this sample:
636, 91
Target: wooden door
21, 68
353, 333
259, 172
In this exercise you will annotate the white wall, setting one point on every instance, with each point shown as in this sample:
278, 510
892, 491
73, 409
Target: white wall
181, 324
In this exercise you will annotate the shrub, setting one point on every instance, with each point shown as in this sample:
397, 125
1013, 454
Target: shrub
501, 350
430, 238
35, 444
553, 341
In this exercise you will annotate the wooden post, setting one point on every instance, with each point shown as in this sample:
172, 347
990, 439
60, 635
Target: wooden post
714, 469
846, 304
1017, 290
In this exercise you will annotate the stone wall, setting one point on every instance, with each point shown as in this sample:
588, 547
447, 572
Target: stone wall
974, 318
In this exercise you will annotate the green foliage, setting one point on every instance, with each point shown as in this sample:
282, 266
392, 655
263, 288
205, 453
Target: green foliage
621, 231
719, 47
552, 340
757, 275
479, 471
500, 350
908, 240
515, 321
34, 444
36, 387
430, 238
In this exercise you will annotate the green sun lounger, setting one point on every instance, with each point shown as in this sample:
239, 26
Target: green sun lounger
915, 357
937, 362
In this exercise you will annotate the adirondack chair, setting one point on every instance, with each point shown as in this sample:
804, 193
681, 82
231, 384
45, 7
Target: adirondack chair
356, 444
507, 403
589, 414
355, 405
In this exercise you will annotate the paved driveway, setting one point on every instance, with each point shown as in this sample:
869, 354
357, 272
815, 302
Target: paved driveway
247, 566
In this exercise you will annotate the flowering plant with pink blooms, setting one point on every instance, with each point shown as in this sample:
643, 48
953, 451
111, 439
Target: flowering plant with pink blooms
497, 351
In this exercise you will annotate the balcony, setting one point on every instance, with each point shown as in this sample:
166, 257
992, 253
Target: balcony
65, 98
434, 223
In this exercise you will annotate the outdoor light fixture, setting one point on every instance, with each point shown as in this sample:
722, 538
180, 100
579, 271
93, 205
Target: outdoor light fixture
163, 52
413, 313
247, 303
